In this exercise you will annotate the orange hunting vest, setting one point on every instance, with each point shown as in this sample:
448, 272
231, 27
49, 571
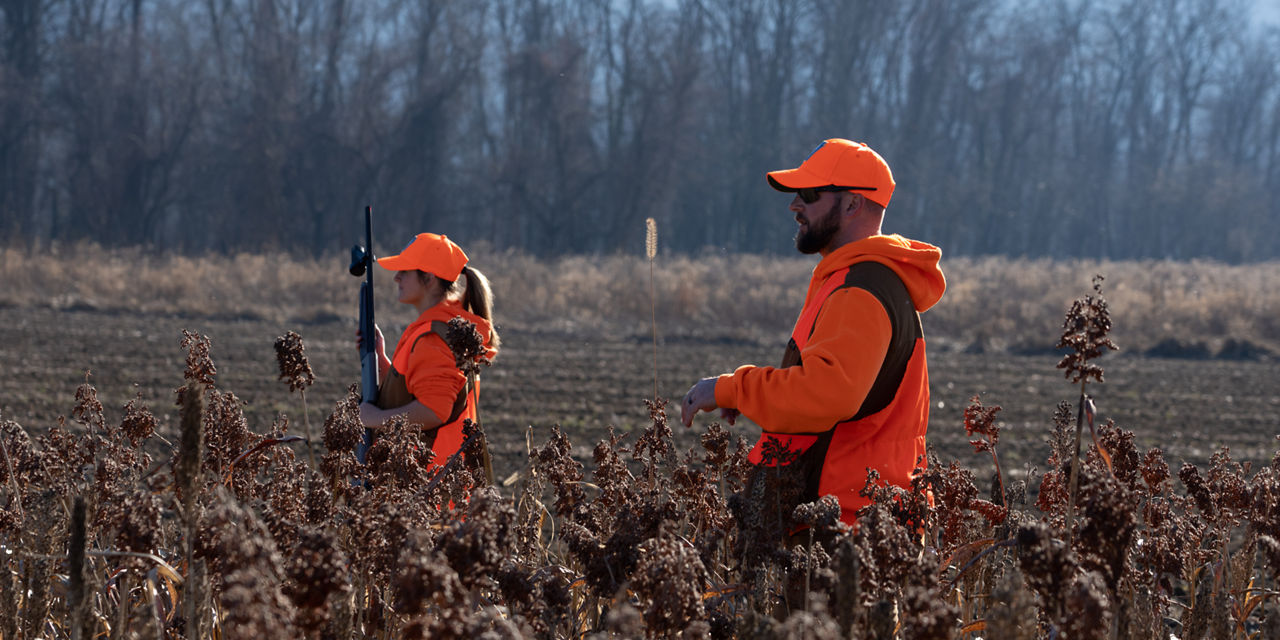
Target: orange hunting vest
446, 439
888, 431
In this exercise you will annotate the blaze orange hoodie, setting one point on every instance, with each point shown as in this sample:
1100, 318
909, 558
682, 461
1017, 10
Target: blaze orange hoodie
844, 334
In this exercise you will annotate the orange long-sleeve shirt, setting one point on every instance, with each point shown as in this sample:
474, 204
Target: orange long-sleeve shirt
850, 338
853, 391
430, 372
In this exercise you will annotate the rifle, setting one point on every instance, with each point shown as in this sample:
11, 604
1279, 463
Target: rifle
362, 265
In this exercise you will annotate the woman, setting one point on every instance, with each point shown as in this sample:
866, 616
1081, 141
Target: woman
422, 381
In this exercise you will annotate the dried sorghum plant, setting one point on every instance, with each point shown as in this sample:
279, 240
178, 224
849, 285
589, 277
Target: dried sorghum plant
199, 364
343, 431
469, 353
1013, 610
1107, 526
669, 580
926, 613
20, 465
699, 497
316, 574
555, 464
248, 570
1053, 496
1085, 332
291, 356
654, 447
613, 477
138, 423
88, 410
398, 458
647, 547
981, 420
63, 456
226, 436
476, 545
1048, 565
467, 345
187, 461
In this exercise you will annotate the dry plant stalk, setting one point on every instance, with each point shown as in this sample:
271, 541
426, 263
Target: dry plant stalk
291, 356
187, 480
469, 354
76, 605
1085, 331
651, 253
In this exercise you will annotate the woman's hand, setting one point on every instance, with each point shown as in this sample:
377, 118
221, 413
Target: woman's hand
379, 344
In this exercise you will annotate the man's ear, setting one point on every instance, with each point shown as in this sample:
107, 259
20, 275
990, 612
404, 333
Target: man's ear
855, 201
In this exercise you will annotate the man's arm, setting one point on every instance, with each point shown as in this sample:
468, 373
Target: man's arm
838, 366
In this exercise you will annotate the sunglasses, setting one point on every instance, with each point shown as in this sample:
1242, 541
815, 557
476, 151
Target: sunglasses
810, 195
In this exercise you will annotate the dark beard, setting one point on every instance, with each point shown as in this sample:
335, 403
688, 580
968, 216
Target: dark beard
820, 231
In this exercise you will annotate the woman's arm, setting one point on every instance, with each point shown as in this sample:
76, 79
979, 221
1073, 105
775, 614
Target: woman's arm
418, 414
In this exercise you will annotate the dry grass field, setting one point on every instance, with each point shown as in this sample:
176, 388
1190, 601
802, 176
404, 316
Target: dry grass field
577, 353
577, 336
992, 304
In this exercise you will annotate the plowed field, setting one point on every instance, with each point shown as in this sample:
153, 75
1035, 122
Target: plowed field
586, 383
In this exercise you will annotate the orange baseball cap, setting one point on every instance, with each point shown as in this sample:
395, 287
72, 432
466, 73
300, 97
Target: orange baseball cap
435, 254
840, 163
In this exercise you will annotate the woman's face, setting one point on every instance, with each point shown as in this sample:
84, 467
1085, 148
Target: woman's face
412, 286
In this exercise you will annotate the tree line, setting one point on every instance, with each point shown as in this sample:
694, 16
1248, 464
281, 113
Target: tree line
1119, 129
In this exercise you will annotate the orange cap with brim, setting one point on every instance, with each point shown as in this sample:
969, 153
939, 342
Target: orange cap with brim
435, 254
840, 163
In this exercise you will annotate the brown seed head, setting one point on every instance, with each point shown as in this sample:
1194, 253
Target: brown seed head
1084, 331
199, 364
467, 345
291, 355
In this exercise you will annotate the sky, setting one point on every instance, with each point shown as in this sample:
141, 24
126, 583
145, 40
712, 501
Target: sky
1268, 11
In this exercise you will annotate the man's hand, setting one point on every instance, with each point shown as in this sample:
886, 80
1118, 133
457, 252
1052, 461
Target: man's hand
701, 397
371, 416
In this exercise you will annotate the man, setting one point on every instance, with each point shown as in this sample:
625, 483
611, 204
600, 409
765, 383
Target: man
852, 392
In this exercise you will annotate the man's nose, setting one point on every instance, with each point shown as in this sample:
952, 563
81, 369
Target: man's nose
797, 205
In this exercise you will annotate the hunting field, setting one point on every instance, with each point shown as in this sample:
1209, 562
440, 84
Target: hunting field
588, 382
578, 352
160, 479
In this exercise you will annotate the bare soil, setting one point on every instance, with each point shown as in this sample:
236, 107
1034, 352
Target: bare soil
589, 381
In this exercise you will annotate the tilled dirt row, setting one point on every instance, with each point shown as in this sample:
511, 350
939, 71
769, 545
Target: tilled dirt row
590, 381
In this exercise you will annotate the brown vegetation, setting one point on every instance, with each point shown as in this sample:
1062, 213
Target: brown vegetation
228, 533
992, 304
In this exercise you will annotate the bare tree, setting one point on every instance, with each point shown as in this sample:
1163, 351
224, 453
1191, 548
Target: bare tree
22, 52
1049, 127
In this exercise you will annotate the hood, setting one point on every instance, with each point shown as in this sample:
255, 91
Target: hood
915, 262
